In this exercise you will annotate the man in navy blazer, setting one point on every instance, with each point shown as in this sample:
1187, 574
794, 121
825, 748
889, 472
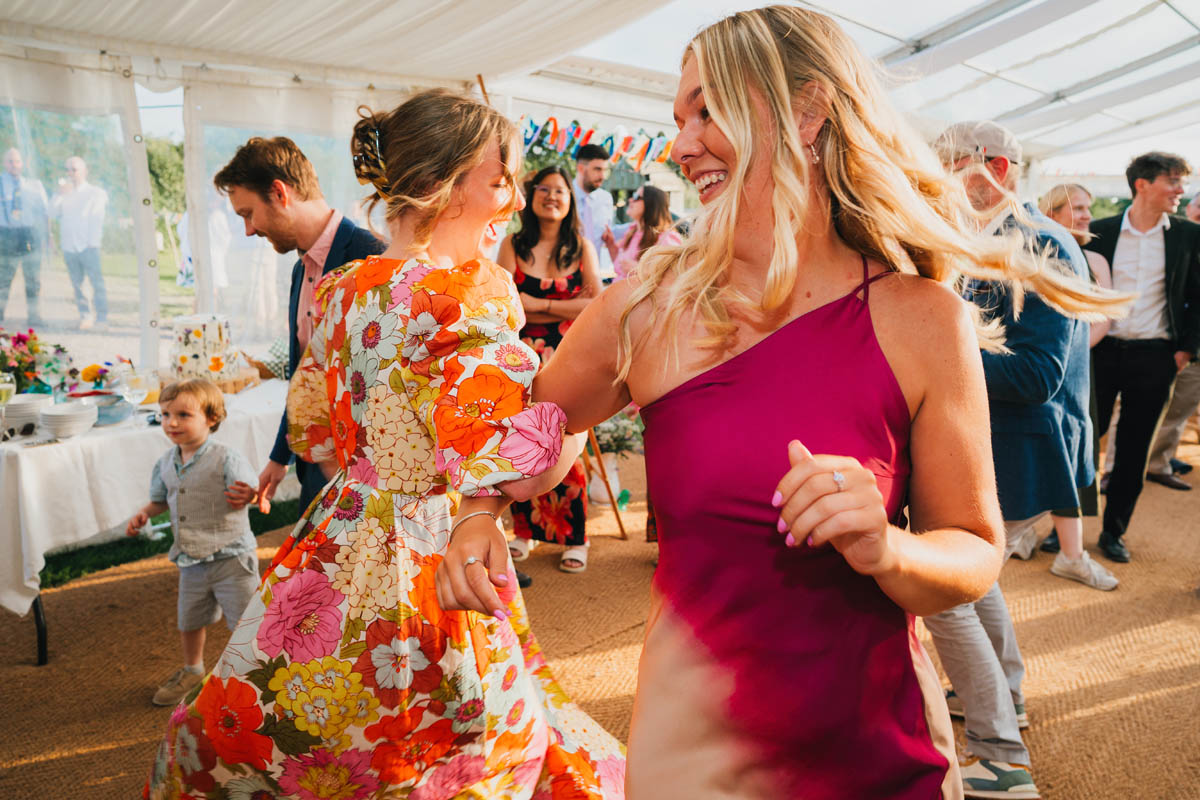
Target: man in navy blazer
273, 187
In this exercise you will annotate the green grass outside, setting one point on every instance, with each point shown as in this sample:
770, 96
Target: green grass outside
63, 567
173, 300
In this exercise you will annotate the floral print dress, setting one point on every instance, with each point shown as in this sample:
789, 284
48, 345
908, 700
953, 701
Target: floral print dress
559, 515
345, 679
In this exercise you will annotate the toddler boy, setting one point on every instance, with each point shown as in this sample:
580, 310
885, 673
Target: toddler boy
206, 486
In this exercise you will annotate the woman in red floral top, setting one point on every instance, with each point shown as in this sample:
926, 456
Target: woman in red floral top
555, 270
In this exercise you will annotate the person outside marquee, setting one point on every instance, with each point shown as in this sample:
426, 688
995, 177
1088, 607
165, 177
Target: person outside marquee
79, 208
24, 234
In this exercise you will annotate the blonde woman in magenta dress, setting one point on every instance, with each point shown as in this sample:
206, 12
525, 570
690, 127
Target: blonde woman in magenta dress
347, 677
804, 375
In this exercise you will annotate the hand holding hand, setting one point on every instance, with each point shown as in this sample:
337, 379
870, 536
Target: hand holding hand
240, 494
834, 499
136, 523
476, 562
268, 481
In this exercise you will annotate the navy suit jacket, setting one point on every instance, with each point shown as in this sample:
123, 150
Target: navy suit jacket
1039, 392
349, 244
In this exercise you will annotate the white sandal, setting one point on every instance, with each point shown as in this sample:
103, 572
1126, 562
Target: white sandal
519, 548
579, 554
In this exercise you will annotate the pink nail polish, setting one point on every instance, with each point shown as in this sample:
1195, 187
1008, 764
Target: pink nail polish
500, 614
790, 541
781, 526
810, 542
777, 500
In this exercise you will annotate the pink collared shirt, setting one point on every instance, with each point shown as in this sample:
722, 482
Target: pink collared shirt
314, 267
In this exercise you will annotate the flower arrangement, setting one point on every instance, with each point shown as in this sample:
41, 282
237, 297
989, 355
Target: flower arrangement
620, 433
96, 374
37, 366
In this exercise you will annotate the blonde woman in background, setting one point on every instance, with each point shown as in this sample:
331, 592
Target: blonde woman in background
1070, 204
793, 406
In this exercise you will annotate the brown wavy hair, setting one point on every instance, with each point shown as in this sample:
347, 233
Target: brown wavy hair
415, 154
260, 162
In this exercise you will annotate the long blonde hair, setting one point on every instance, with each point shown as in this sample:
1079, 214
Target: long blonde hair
891, 198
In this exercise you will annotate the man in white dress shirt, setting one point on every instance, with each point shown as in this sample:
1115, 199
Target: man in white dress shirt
80, 209
595, 204
23, 230
1156, 256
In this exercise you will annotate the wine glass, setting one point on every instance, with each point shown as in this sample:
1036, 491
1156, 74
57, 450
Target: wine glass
8, 388
137, 384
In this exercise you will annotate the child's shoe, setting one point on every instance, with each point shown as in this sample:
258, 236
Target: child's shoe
177, 686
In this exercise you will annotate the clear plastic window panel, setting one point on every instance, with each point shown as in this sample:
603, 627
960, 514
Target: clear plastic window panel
69, 217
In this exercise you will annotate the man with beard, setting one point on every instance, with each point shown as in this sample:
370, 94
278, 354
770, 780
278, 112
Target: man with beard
273, 187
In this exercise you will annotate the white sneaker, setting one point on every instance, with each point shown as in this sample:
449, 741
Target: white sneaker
1084, 570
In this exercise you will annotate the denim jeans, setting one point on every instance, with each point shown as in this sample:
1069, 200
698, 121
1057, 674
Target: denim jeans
86, 264
30, 265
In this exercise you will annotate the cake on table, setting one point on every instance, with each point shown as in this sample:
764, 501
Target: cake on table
203, 348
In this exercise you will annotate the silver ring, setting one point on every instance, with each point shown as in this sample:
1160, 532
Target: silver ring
470, 560
839, 480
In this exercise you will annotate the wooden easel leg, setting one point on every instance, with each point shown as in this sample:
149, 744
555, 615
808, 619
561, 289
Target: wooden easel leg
608, 486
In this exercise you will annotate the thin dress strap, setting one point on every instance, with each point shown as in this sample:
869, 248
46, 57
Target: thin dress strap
865, 286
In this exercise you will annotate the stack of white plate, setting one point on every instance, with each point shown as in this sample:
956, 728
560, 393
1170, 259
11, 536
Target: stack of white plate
65, 420
24, 409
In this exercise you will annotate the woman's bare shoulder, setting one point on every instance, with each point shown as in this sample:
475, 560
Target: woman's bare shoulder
925, 331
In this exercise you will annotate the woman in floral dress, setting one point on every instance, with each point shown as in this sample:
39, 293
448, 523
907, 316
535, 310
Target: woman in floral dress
346, 678
555, 270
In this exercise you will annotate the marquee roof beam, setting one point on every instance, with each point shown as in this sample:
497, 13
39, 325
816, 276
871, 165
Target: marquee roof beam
1099, 80
1106, 100
980, 40
1134, 130
951, 29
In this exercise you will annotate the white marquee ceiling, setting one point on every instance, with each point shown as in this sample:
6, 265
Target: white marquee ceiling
1069, 76
424, 39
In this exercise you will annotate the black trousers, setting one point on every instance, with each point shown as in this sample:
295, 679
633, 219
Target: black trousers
1142, 372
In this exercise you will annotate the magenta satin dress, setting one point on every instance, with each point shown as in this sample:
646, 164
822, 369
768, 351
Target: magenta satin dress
768, 671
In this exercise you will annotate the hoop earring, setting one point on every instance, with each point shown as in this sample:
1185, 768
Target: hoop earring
815, 159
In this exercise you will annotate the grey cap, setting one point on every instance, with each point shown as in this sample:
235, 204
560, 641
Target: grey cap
978, 137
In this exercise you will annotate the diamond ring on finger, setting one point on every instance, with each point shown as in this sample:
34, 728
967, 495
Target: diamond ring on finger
470, 560
839, 480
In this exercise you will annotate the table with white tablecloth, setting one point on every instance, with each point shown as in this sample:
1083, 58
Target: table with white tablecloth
58, 495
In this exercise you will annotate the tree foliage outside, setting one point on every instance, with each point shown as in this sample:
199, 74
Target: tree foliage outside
165, 161
1109, 206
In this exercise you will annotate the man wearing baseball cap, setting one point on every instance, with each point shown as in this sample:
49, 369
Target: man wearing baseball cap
1042, 448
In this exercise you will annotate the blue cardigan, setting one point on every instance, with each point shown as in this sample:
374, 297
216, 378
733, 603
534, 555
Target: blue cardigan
1039, 393
349, 244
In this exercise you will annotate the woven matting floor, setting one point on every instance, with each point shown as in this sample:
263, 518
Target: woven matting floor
1113, 679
